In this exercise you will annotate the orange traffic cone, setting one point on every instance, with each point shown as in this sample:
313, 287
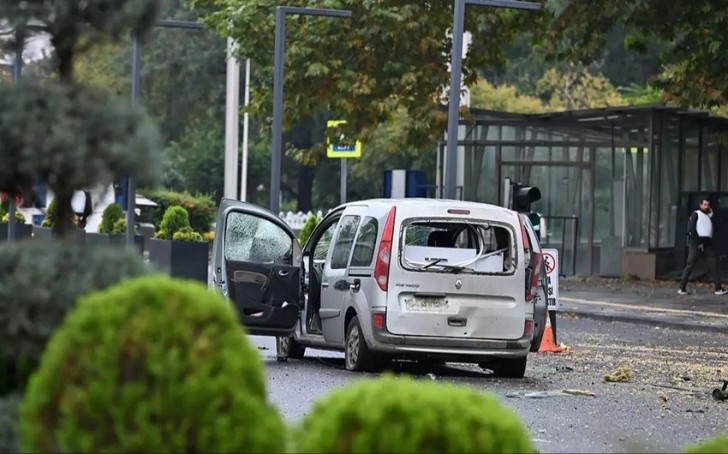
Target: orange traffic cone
548, 343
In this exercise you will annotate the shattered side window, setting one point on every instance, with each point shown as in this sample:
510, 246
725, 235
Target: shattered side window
253, 239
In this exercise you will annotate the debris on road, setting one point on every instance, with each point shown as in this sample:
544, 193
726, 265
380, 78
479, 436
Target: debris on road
432, 376
622, 375
579, 392
552, 393
720, 394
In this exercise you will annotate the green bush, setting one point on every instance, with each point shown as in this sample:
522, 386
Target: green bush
19, 218
401, 415
175, 219
9, 423
308, 228
112, 214
201, 209
187, 234
40, 282
717, 445
51, 214
119, 227
151, 365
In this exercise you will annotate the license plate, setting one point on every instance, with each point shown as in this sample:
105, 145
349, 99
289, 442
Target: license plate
425, 304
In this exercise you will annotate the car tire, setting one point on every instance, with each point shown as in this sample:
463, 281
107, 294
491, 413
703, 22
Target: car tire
357, 356
287, 347
508, 367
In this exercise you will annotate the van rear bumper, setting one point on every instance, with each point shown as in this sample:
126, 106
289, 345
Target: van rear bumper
392, 343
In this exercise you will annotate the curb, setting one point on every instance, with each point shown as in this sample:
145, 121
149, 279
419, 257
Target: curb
646, 321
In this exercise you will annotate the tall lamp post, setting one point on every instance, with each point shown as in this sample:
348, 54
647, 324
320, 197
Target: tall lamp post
276, 157
456, 63
136, 76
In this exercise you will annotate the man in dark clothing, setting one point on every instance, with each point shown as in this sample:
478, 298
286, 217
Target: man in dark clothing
700, 239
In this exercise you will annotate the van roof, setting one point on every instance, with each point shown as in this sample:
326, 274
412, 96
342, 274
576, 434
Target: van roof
429, 202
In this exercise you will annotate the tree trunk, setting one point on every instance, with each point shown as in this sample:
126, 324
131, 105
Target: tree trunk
305, 187
64, 215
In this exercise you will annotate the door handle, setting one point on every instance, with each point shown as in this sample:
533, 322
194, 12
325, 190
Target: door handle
457, 321
325, 285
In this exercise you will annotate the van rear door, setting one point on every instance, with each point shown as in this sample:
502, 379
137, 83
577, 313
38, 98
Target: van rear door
457, 272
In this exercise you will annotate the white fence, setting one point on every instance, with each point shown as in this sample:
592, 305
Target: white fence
296, 220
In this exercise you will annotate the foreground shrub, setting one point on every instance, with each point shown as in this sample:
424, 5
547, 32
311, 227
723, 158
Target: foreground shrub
717, 445
40, 282
308, 229
151, 365
9, 423
400, 415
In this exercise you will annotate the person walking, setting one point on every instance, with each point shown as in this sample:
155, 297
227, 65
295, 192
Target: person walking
700, 244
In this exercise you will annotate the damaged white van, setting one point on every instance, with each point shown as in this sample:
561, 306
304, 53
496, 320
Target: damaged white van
423, 279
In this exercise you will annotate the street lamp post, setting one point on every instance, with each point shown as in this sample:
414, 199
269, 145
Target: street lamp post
136, 75
276, 157
456, 62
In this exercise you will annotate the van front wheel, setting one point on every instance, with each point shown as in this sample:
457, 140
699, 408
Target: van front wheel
508, 367
357, 355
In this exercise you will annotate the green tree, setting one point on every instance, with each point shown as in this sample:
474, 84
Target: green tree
389, 55
693, 40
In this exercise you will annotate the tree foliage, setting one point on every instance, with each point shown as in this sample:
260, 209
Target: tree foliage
391, 53
71, 137
694, 54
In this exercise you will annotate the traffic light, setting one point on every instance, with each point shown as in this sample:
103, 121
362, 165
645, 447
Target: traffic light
524, 196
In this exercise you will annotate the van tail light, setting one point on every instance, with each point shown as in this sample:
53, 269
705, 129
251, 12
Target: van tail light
381, 269
378, 320
528, 328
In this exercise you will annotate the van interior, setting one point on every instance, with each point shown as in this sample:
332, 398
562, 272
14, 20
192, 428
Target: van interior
467, 247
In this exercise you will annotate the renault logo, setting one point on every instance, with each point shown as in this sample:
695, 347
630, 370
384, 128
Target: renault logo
458, 284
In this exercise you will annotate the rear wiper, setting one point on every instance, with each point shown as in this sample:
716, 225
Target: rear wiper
433, 263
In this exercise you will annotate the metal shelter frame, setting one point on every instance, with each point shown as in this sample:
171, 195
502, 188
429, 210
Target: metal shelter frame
623, 173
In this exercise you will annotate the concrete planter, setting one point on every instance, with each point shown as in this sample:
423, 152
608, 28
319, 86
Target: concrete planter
182, 259
120, 240
42, 233
22, 231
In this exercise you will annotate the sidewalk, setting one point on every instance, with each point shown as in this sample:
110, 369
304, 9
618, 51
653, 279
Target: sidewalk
652, 303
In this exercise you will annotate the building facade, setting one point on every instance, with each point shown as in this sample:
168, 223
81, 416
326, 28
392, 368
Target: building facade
618, 184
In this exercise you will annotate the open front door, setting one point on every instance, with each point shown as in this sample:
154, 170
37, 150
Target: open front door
257, 264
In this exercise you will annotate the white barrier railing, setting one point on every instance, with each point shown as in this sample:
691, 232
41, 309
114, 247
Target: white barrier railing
296, 221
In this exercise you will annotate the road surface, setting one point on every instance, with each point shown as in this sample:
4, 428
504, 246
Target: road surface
666, 405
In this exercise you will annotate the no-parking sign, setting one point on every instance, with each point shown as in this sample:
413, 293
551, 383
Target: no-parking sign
551, 263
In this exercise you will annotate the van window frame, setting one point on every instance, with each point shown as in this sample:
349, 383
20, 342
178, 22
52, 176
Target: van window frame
514, 252
336, 240
363, 223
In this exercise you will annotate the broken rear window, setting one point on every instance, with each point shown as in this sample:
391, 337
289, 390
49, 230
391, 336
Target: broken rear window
457, 247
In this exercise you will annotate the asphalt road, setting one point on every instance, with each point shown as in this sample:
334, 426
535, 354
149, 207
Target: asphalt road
665, 406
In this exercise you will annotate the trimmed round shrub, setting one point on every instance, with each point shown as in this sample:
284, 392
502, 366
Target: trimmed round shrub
40, 282
119, 227
51, 214
308, 229
175, 219
201, 209
112, 214
151, 365
717, 445
187, 234
401, 415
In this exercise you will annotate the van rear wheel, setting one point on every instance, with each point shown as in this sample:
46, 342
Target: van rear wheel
507, 367
357, 355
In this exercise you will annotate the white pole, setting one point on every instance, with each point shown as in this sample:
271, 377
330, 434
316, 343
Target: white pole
244, 170
232, 115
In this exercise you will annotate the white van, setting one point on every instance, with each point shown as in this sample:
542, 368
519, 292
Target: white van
424, 279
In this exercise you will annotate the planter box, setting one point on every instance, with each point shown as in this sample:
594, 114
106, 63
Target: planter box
182, 259
97, 238
42, 233
22, 231
120, 240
